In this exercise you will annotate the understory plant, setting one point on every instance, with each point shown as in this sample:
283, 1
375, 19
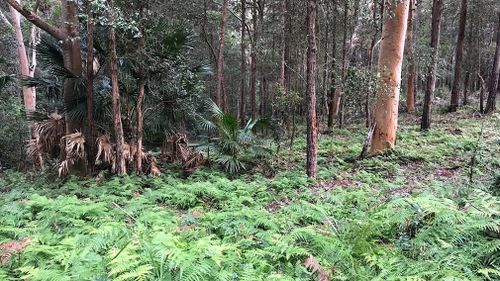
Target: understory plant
235, 145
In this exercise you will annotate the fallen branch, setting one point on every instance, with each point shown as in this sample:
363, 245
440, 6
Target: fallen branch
125, 212
368, 141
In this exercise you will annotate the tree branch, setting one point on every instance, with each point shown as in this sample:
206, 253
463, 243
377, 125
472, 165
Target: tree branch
38, 21
249, 31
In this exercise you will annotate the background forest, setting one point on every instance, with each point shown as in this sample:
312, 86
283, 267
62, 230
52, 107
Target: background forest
249, 140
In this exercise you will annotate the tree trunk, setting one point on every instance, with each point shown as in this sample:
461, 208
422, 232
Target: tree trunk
466, 88
437, 10
117, 118
339, 88
140, 98
331, 107
72, 60
390, 66
324, 91
253, 60
70, 37
493, 87
482, 91
243, 100
455, 92
262, 95
283, 50
29, 95
90, 89
347, 52
312, 130
412, 66
263, 77
220, 57
368, 113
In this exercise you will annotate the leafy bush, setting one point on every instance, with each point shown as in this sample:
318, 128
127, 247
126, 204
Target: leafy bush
234, 144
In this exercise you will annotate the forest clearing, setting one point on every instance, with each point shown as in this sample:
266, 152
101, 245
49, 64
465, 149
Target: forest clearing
247, 140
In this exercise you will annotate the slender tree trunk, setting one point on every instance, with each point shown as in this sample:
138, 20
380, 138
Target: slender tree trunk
90, 89
326, 61
466, 88
263, 77
339, 89
412, 66
253, 61
243, 100
331, 107
72, 61
482, 91
312, 130
495, 75
117, 118
220, 57
283, 51
437, 10
368, 113
140, 98
455, 92
288, 45
29, 95
390, 66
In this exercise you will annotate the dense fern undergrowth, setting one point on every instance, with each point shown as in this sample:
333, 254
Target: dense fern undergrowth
409, 215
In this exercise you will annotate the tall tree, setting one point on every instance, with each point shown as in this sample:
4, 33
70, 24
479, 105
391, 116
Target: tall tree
141, 86
390, 65
220, 58
332, 105
243, 100
326, 62
347, 52
90, 87
312, 130
437, 11
459, 55
495, 75
263, 78
345, 65
69, 34
412, 66
27, 70
253, 60
117, 118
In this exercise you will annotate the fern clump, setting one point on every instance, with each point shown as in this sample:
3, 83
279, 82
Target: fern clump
392, 217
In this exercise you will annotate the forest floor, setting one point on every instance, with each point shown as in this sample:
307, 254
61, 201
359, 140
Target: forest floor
411, 214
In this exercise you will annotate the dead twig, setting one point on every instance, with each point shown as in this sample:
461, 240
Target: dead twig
124, 211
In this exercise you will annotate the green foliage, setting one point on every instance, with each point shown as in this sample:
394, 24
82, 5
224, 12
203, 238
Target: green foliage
391, 217
219, 229
13, 131
234, 144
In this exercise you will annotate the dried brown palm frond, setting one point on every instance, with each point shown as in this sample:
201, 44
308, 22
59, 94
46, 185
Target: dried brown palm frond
313, 265
73, 145
154, 169
177, 147
64, 167
49, 132
35, 151
46, 135
129, 152
72, 151
106, 150
195, 160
